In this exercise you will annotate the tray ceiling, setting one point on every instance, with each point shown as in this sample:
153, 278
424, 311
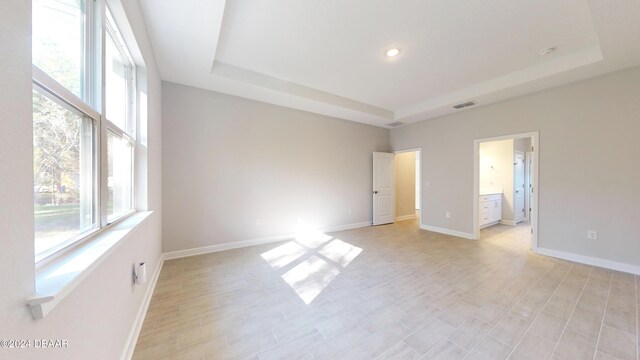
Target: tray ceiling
328, 56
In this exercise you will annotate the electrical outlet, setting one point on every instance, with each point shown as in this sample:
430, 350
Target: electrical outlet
592, 235
447, 214
258, 221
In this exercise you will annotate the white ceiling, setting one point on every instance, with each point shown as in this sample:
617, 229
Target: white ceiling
328, 56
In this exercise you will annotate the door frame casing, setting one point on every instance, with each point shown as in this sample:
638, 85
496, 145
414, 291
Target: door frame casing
535, 143
524, 178
527, 168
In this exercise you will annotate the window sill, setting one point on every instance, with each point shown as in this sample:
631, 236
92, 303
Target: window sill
57, 279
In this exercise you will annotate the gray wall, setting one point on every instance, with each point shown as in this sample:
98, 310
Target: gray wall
589, 171
97, 316
228, 161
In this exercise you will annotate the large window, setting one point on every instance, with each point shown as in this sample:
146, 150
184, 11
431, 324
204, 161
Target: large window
83, 114
59, 42
120, 179
119, 97
64, 171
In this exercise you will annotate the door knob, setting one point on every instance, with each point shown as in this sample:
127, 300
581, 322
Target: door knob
375, 192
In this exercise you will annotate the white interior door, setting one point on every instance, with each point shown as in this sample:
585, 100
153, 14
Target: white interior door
519, 187
384, 188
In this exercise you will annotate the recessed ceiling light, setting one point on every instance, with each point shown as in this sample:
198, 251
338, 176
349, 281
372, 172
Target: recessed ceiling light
547, 51
393, 52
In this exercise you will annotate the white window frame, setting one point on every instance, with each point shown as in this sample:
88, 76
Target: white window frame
110, 28
51, 89
93, 90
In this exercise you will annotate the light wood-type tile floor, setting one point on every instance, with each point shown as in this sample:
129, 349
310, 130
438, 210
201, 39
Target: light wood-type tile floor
390, 292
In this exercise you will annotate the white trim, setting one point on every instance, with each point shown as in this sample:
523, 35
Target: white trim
347, 227
528, 168
130, 346
603, 263
535, 142
515, 211
637, 281
49, 84
418, 149
225, 246
456, 233
490, 224
112, 31
252, 242
508, 222
406, 217
51, 289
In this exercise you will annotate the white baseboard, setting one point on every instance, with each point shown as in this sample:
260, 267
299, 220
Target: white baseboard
346, 227
252, 242
489, 224
508, 222
406, 217
603, 263
225, 246
137, 325
448, 231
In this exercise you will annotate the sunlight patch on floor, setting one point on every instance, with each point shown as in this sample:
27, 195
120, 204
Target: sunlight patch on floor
284, 254
309, 236
310, 277
341, 252
319, 258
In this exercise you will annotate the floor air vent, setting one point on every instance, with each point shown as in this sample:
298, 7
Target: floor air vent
464, 105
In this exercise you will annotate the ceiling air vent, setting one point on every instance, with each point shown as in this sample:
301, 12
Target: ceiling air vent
394, 124
465, 104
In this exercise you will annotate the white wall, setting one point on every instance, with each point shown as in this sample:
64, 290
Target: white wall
496, 173
588, 162
97, 316
406, 183
228, 161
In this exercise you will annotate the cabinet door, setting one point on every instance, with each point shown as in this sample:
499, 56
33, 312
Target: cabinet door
497, 211
485, 213
484, 219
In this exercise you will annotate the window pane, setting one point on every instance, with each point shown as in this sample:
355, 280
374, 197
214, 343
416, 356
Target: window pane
63, 165
120, 178
58, 41
116, 73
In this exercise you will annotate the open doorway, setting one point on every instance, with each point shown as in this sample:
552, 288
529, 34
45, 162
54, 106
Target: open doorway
504, 186
407, 164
